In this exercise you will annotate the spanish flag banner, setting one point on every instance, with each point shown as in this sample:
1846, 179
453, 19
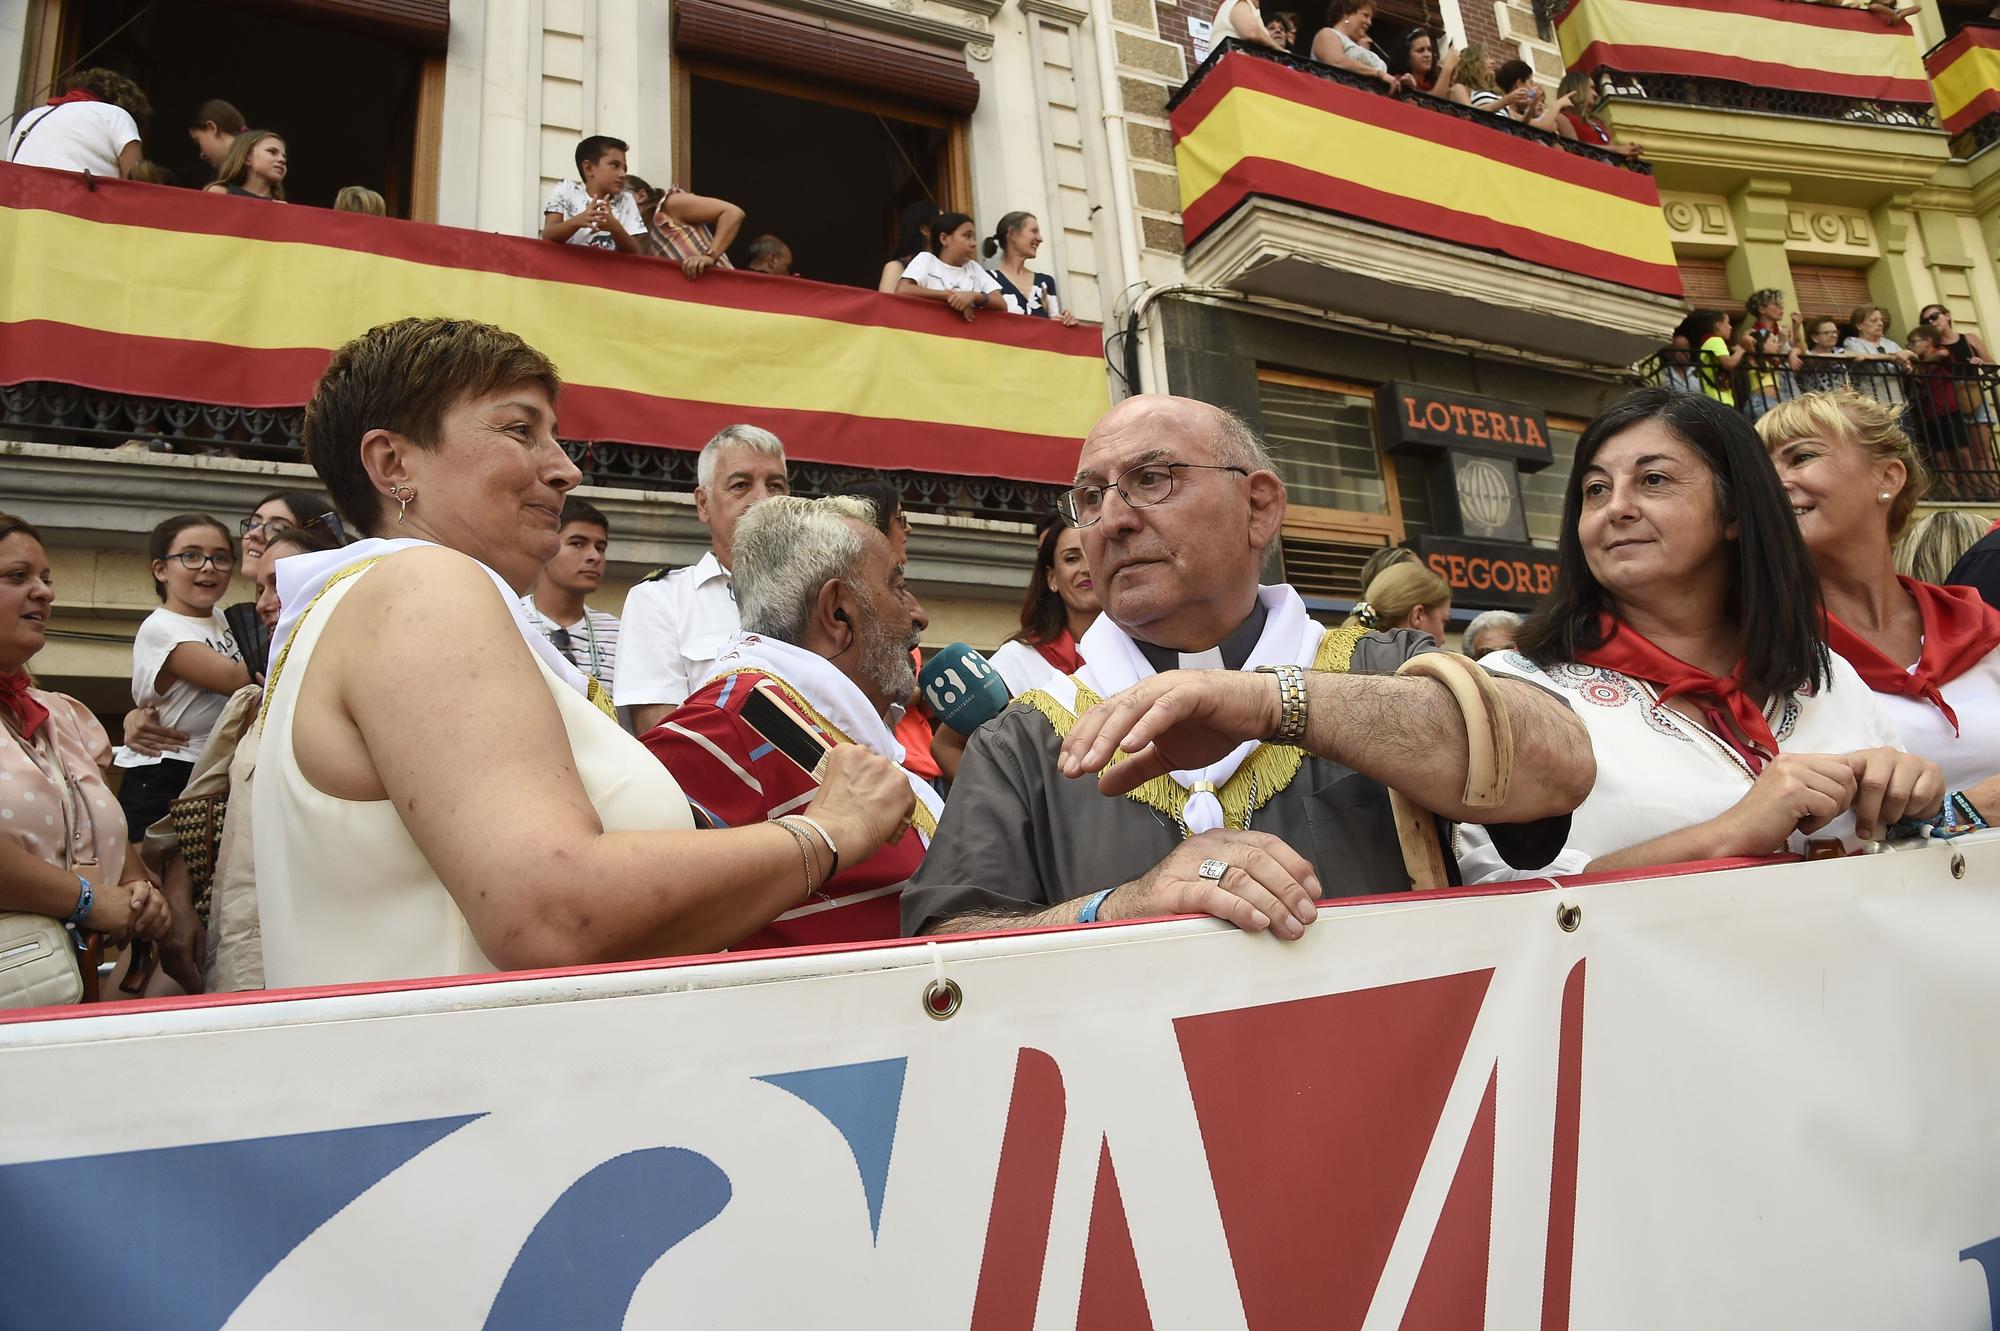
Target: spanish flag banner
1252, 126
1965, 76
1778, 44
157, 292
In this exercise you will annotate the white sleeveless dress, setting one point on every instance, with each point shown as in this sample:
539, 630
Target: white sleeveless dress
344, 894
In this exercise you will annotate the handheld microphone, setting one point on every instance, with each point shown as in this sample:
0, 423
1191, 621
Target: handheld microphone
963, 688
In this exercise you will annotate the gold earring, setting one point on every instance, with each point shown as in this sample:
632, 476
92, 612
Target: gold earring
402, 494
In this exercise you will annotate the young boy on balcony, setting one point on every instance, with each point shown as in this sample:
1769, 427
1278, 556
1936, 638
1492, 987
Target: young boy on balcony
595, 209
1890, 14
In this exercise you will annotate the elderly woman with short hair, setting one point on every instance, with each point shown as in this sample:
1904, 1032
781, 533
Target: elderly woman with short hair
438, 790
1684, 630
1931, 654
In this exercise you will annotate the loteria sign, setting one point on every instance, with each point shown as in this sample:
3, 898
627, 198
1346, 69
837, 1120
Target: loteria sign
1418, 418
1751, 1095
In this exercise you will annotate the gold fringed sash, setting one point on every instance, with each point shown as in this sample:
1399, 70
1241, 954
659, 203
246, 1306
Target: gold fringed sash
1268, 770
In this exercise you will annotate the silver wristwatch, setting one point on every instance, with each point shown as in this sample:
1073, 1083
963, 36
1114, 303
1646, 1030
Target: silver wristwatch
1291, 702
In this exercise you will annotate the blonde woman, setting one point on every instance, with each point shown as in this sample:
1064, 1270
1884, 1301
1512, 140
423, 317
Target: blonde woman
1406, 595
360, 199
254, 168
1937, 543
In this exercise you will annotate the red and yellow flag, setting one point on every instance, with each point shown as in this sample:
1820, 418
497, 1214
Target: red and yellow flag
1779, 44
1255, 126
1965, 76
159, 292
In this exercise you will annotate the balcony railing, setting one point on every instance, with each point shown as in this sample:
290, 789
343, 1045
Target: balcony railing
1951, 410
1965, 76
200, 322
1833, 63
1721, 95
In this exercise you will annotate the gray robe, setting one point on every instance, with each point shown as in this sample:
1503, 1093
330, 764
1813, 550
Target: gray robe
1018, 837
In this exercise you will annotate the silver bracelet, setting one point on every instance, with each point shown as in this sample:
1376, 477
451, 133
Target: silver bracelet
806, 857
814, 824
1291, 702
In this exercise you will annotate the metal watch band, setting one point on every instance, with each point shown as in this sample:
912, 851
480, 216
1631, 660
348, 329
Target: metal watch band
1291, 702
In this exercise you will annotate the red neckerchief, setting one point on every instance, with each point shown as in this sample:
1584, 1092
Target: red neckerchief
14, 701
74, 95
1959, 630
1061, 653
1630, 652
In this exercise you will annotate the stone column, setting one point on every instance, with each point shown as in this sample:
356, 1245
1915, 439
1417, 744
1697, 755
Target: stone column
1759, 210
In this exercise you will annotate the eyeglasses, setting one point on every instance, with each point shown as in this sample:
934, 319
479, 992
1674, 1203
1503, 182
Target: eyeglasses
194, 560
270, 526
1142, 486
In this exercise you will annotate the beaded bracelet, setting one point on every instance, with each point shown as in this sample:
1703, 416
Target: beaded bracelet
84, 893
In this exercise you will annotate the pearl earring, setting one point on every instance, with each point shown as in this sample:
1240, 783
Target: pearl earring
1884, 496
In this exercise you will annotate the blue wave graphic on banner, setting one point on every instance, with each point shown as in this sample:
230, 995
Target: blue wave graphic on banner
175, 1239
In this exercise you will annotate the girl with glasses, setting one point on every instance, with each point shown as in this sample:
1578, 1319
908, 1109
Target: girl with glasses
185, 660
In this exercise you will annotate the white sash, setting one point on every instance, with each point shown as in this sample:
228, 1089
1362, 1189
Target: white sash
1113, 662
303, 576
832, 694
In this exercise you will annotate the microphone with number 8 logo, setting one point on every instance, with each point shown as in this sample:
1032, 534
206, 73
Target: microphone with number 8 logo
963, 689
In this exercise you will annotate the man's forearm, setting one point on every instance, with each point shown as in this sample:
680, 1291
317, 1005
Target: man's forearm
1409, 734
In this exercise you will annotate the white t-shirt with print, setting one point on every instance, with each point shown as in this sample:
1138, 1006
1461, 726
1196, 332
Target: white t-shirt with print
571, 198
182, 706
927, 270
76, 136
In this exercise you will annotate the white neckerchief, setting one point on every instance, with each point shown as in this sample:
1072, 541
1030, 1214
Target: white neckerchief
1113, 662
302, 577
836, 697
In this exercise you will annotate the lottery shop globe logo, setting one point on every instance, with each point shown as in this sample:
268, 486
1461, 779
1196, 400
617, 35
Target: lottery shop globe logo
1484, 496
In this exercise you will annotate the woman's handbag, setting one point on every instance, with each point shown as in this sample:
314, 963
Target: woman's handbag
198, 829
37, 962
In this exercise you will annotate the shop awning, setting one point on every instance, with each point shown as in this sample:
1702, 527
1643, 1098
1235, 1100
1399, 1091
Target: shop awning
1254, 126
1776, 44
1965, 75
158, 292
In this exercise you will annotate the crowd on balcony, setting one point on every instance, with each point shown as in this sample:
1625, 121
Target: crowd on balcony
96, 124
1939, 378
421, 750
1428, 64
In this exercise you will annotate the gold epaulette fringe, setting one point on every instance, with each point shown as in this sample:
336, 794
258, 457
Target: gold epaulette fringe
1268, 770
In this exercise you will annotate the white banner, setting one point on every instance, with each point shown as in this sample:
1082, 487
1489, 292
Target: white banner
1761, 1097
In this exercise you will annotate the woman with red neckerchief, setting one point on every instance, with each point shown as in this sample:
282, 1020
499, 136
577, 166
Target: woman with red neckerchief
1685, 632
1930, 653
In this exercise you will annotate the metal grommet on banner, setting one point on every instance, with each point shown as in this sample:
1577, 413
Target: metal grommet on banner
1569, 918
942, 996
1958, 866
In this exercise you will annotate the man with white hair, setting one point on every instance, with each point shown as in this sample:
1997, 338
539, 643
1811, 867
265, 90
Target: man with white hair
676, 624
1243, 749
823, 659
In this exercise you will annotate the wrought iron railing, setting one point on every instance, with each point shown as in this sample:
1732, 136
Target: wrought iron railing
1719, 94
1949, 408
60, 414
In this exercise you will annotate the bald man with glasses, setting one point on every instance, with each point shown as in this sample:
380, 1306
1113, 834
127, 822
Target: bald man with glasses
1262, 742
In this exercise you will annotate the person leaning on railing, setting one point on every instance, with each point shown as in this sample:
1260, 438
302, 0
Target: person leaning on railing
1684, 630
1824, 363
94, 125
1579, 121
1242, 20
1343, 44
63, 851
1931, 654
1882, 355
1428, 73
438, 791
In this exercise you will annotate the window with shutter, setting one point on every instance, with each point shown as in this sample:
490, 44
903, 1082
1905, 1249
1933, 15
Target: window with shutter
1707, 286
1344, 499
1822, 290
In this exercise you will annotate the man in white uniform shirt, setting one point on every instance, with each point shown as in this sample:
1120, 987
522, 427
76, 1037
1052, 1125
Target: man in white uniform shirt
675, 626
